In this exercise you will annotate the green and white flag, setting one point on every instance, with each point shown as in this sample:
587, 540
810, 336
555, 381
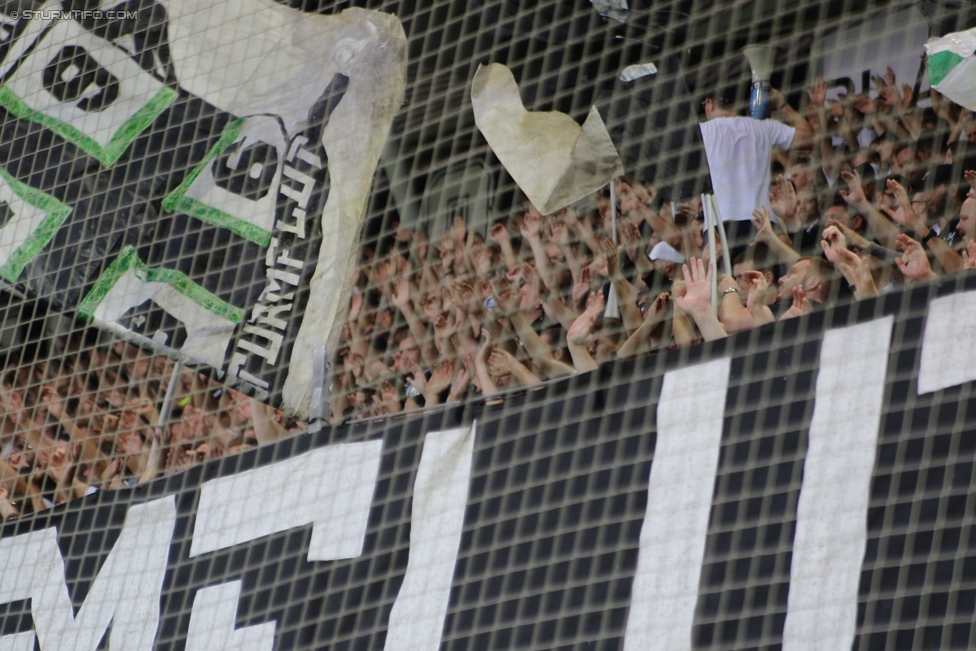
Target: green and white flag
952, 68
193, 174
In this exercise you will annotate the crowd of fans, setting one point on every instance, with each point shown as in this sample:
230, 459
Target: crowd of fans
91, 420
872, 193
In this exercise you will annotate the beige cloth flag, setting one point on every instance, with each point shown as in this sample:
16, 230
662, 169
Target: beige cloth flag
552, 159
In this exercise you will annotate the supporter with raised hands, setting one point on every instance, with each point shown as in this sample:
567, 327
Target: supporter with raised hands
445, 326
890, 107
488, 387
766, 236
634, 246
501, 363
462, 380
879, 260
633, 195
531, 229
757, 288
626, 292
402, 299
694, 297
482, 259
928, 230
580, 228
913, 263
856, 270
783, 203
582, 286
577, 337
499, 234
539, 352
732, 310
815, 278
969, 255
824, 126
880, 225
654, 330
559, 235
440, 381
801, 305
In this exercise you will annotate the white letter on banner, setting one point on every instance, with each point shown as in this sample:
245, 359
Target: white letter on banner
948, 355
212, 623
679, 502
330, 487
831, 516
125, 592
440, 495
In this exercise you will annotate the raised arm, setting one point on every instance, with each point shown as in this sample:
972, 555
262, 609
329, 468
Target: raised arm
579, 332
733, 315
537, 349
582, 230
914, 264
626, 293
765, 234
501, 362
531, 233
694, 297
950, 261
881, 226
499, 235
761, 314
401, 300
634, 246
857, 273
804, 134
640, 342
488, 387
559, 234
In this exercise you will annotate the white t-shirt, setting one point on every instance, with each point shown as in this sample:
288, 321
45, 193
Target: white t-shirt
739, 152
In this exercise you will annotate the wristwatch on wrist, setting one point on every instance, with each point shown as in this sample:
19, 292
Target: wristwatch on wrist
729, 290
929, 236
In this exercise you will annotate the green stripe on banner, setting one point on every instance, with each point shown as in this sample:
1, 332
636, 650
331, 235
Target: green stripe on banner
128, 259
107, 154
56, 214
177, 199
940, 64
211, 215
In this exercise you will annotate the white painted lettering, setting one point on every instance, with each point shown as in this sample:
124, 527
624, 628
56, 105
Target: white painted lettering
831, 517
679, 501
33, 569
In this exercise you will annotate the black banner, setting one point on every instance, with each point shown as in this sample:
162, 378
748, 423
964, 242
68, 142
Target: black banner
528, 524
138, 190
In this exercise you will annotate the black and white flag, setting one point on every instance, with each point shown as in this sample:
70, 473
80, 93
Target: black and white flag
195, 172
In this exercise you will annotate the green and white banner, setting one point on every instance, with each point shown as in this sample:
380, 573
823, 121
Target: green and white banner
952, 69
195, 172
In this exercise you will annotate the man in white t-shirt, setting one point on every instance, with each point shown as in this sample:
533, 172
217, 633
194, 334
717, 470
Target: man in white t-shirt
739, 152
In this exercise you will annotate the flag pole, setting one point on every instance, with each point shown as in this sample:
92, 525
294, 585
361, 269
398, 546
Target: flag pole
613, 211
710, 225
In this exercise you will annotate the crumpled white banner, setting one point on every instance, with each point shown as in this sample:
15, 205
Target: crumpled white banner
552, 159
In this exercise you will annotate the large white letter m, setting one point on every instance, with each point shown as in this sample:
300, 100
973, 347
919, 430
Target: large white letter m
125, 593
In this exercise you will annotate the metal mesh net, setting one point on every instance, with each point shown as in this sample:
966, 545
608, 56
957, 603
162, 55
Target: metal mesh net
121, 269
